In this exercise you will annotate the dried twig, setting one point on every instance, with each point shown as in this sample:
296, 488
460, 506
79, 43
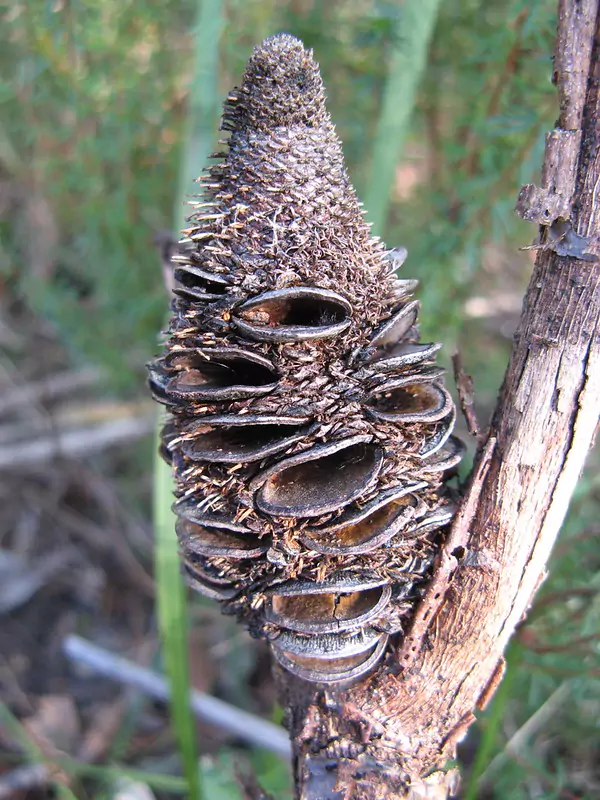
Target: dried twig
464, 387
22, 778
101, 539
235, 721
75, 443
48, 389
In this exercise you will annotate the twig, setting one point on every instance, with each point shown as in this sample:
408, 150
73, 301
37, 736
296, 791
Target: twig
75, 443
464, 387
553, 200
49, 388
23, 778
33, 424
239, 723
106, 538
454, 552
35, 421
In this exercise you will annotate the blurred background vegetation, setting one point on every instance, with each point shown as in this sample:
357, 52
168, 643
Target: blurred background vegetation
109, 110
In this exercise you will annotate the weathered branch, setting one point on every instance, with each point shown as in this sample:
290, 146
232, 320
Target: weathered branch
391, 735
236, 721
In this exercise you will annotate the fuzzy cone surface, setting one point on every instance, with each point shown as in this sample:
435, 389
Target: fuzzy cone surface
309, 430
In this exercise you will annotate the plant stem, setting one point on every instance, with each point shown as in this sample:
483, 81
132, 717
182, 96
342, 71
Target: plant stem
414, 26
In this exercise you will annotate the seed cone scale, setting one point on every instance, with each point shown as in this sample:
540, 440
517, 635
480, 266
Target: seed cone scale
309, 430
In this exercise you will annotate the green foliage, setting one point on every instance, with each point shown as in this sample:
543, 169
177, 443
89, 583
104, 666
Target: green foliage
218, 778
93, 110
272, 774
483, 111
204, 103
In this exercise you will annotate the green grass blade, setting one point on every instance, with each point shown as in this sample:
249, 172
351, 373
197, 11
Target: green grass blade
173, 621
155, 780
172, 610
204, 102
414, 26
100, 772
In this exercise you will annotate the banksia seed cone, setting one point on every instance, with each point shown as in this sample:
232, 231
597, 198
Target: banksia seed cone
310, 431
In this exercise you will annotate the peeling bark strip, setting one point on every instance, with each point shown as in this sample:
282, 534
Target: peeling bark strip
390, 736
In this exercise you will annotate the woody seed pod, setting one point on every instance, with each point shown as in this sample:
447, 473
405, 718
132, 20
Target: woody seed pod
310, 430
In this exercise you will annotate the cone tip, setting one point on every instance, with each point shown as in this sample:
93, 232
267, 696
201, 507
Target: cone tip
281, 49
281, 86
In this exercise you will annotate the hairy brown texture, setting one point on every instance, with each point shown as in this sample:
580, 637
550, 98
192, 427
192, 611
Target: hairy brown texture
310, 431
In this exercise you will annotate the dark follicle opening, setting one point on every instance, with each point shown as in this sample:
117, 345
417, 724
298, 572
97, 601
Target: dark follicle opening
416, 400
240, 443
208, 541
321, 485
293, 315
235, 371
215, 374
302, 311
194, 279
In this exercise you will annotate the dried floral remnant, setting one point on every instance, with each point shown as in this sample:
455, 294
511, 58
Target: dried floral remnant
310, 431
